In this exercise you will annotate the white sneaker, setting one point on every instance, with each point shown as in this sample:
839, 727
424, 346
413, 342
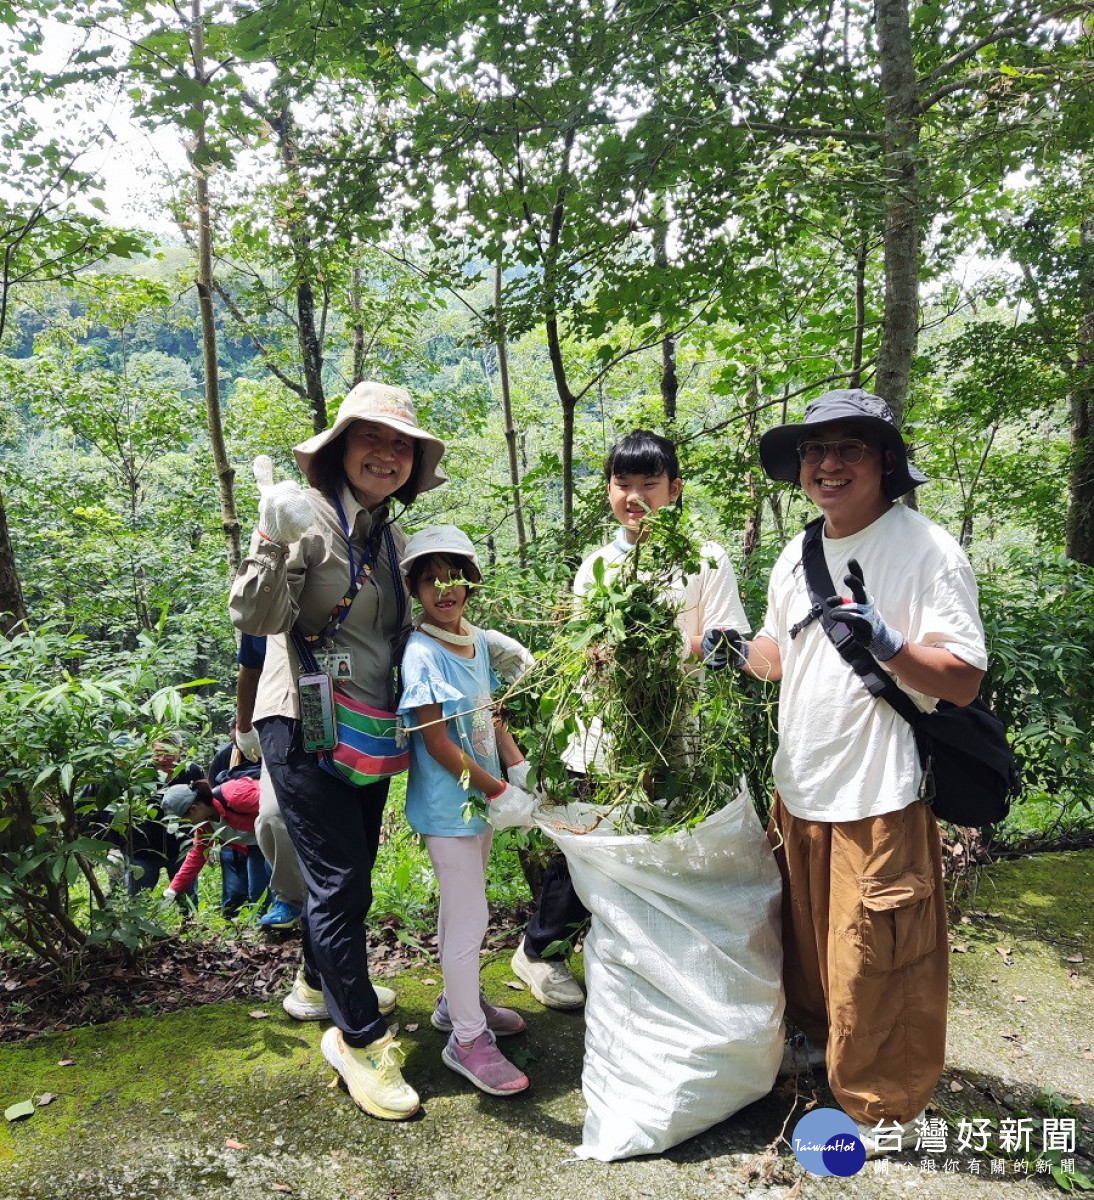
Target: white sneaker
800, 1055
373, 1075
551, 982
305, 1003
888, 1137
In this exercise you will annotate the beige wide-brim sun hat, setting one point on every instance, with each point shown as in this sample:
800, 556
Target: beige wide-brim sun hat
385, 405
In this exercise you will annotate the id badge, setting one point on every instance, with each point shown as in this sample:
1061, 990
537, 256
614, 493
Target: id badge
338, 664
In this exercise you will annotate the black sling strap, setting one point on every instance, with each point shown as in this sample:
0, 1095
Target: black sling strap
819, 585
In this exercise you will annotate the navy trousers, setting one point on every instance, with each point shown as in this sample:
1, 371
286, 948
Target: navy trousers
335, 828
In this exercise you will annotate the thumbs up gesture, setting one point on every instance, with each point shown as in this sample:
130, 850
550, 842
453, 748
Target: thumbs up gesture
284, 511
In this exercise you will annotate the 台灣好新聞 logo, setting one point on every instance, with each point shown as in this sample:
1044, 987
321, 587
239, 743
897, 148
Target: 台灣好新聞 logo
826, 1142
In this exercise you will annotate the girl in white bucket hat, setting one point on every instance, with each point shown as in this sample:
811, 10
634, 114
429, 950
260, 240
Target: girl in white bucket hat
322, 580
457, 751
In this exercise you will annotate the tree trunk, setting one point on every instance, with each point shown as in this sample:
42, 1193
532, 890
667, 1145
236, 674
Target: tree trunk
507, 410
670, 382
311, 350
1080, 501
901, 164
358, 327
224, 471
12, 610
854, 380
554, 343
754, 520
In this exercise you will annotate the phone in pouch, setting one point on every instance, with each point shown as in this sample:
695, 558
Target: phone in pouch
317, 711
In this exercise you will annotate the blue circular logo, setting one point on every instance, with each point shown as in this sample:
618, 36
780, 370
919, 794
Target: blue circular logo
826, 1142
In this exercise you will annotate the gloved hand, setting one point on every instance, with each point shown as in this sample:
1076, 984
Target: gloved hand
249, 744
724, 647
168, 899
518, 773
511, 807
284, 511
509, 658
866, 624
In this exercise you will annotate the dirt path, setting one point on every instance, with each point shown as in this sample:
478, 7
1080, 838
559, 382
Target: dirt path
233, 1101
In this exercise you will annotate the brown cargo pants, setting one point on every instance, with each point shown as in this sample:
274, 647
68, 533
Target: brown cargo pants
866, 955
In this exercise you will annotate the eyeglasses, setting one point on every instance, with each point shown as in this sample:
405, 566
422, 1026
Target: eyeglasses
849, 450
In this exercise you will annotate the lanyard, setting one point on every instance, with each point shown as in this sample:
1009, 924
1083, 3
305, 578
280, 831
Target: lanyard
359, 571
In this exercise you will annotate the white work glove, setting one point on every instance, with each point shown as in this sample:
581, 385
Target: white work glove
168, 899
284, 511
115, 860
511, 808
249, 744
518, 774
508, 657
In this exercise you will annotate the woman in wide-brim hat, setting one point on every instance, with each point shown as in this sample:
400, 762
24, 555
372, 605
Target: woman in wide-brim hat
325, 563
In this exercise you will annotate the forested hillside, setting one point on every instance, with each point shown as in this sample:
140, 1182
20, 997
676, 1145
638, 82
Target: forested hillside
551, 224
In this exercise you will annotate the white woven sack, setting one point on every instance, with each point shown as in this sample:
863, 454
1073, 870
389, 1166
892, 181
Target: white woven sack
683, 965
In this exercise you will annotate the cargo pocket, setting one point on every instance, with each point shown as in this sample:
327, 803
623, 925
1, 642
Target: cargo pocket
898, 921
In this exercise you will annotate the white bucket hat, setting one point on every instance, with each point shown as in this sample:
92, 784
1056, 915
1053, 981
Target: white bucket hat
440, 539
385, 405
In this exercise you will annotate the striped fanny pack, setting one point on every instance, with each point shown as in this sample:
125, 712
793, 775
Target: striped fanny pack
371, 744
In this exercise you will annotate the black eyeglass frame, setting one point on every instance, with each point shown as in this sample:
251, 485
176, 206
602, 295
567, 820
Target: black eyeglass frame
848, 450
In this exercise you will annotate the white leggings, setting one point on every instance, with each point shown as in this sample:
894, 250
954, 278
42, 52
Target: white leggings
460, 867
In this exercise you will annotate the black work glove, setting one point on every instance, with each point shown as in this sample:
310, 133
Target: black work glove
722, 648
862, 618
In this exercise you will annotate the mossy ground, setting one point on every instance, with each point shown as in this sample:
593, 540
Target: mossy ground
148, 1106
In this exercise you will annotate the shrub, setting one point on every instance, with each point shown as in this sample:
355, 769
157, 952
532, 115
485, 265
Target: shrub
73, 743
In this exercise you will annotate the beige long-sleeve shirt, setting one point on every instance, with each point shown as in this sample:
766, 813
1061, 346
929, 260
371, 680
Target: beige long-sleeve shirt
278, 586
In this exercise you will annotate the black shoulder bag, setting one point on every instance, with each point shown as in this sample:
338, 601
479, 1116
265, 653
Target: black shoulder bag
970, 775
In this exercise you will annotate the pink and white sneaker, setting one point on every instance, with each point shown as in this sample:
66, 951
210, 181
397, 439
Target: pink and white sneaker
485, 1065
502, 1022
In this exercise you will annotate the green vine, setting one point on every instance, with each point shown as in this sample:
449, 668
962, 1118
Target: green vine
678, 739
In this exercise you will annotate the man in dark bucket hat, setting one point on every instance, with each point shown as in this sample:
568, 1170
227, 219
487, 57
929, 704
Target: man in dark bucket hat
866, 956
869, 414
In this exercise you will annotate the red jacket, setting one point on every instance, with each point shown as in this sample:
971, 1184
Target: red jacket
236, 802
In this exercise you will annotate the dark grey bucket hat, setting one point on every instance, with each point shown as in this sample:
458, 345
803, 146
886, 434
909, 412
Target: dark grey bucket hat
779, 446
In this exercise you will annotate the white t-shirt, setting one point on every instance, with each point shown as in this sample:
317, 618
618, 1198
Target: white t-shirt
844, 754
707, 599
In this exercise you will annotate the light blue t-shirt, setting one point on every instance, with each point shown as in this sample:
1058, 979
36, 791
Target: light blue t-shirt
433, 674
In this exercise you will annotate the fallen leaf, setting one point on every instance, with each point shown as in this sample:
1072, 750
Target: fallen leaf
1003, 950
1012, 1037
955, 1086
1075, 958
281, 1187
334, 1082
232, 1144
258, 1015
18, 1112
67, 1062
994, 979
512, 983
429, 982
44, 1099
960, 949
1019, 999
412, 1028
